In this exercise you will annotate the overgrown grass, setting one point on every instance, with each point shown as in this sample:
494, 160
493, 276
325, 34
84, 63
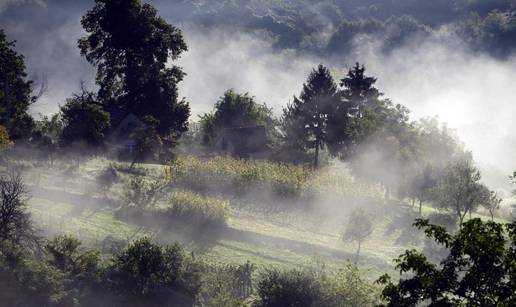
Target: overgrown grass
262, 179
197, 211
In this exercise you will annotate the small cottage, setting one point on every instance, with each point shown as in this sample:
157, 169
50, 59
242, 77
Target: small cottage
123, 125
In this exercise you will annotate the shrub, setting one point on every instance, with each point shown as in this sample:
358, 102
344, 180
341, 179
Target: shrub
145, 270
107, 178
142, 193
288, 288
197, 211
226, 285
347, 287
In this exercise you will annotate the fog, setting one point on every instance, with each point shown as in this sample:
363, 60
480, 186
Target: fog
439, 76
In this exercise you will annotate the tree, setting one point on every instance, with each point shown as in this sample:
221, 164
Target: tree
107, 178
358, 228
131, 46
234, 110
492, 203
148, 141
480, 269
15, 91
15, 223
147, 270
84, 121
310, 117
459, 190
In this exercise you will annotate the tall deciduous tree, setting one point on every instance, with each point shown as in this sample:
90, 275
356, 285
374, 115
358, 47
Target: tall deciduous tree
15, 91
131, 45
310, 116
459, 189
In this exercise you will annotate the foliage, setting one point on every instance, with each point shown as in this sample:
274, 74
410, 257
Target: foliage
358, 228
130, 45
347, 287
479, 270
197, 211
5, 142
84, 121
142, 193
235, 110
148, 141
147, 270
315, 288
107, 178
25, 282
459, 190
317, 111
226, 285
288, 288
15, 91
15, 224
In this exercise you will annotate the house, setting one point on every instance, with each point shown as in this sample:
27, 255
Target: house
123, 125
243, 142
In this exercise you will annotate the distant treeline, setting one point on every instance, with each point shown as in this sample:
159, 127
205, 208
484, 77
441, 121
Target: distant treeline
322, 27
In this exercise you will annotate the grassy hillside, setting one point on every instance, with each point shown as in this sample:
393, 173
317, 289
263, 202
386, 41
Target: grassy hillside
279, 215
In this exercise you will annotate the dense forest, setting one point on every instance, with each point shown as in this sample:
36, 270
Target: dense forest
123, 192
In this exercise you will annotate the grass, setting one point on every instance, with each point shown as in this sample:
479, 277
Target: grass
283, 239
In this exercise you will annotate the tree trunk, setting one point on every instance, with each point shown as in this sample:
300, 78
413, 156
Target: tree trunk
420, 206
357, 257
316, 156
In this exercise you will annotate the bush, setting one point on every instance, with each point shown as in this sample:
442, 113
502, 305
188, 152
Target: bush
146, 272
288, 288
107, 178
226, 285
348, 288
197, 211
315, 288
142, 193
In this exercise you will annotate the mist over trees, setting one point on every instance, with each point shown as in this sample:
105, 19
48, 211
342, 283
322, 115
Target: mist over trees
306, 183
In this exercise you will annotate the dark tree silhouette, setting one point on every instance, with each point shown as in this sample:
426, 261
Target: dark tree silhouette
15, 91
480, 269
84, 121
15, 223
131, 45
309, 116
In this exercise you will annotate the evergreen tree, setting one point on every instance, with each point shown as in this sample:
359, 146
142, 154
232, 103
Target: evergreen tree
130, 46
15, 91
309, 117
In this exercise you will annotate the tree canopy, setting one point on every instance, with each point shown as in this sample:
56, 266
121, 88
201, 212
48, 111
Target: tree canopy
130, 45
235, 110
15, 91
479, 270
